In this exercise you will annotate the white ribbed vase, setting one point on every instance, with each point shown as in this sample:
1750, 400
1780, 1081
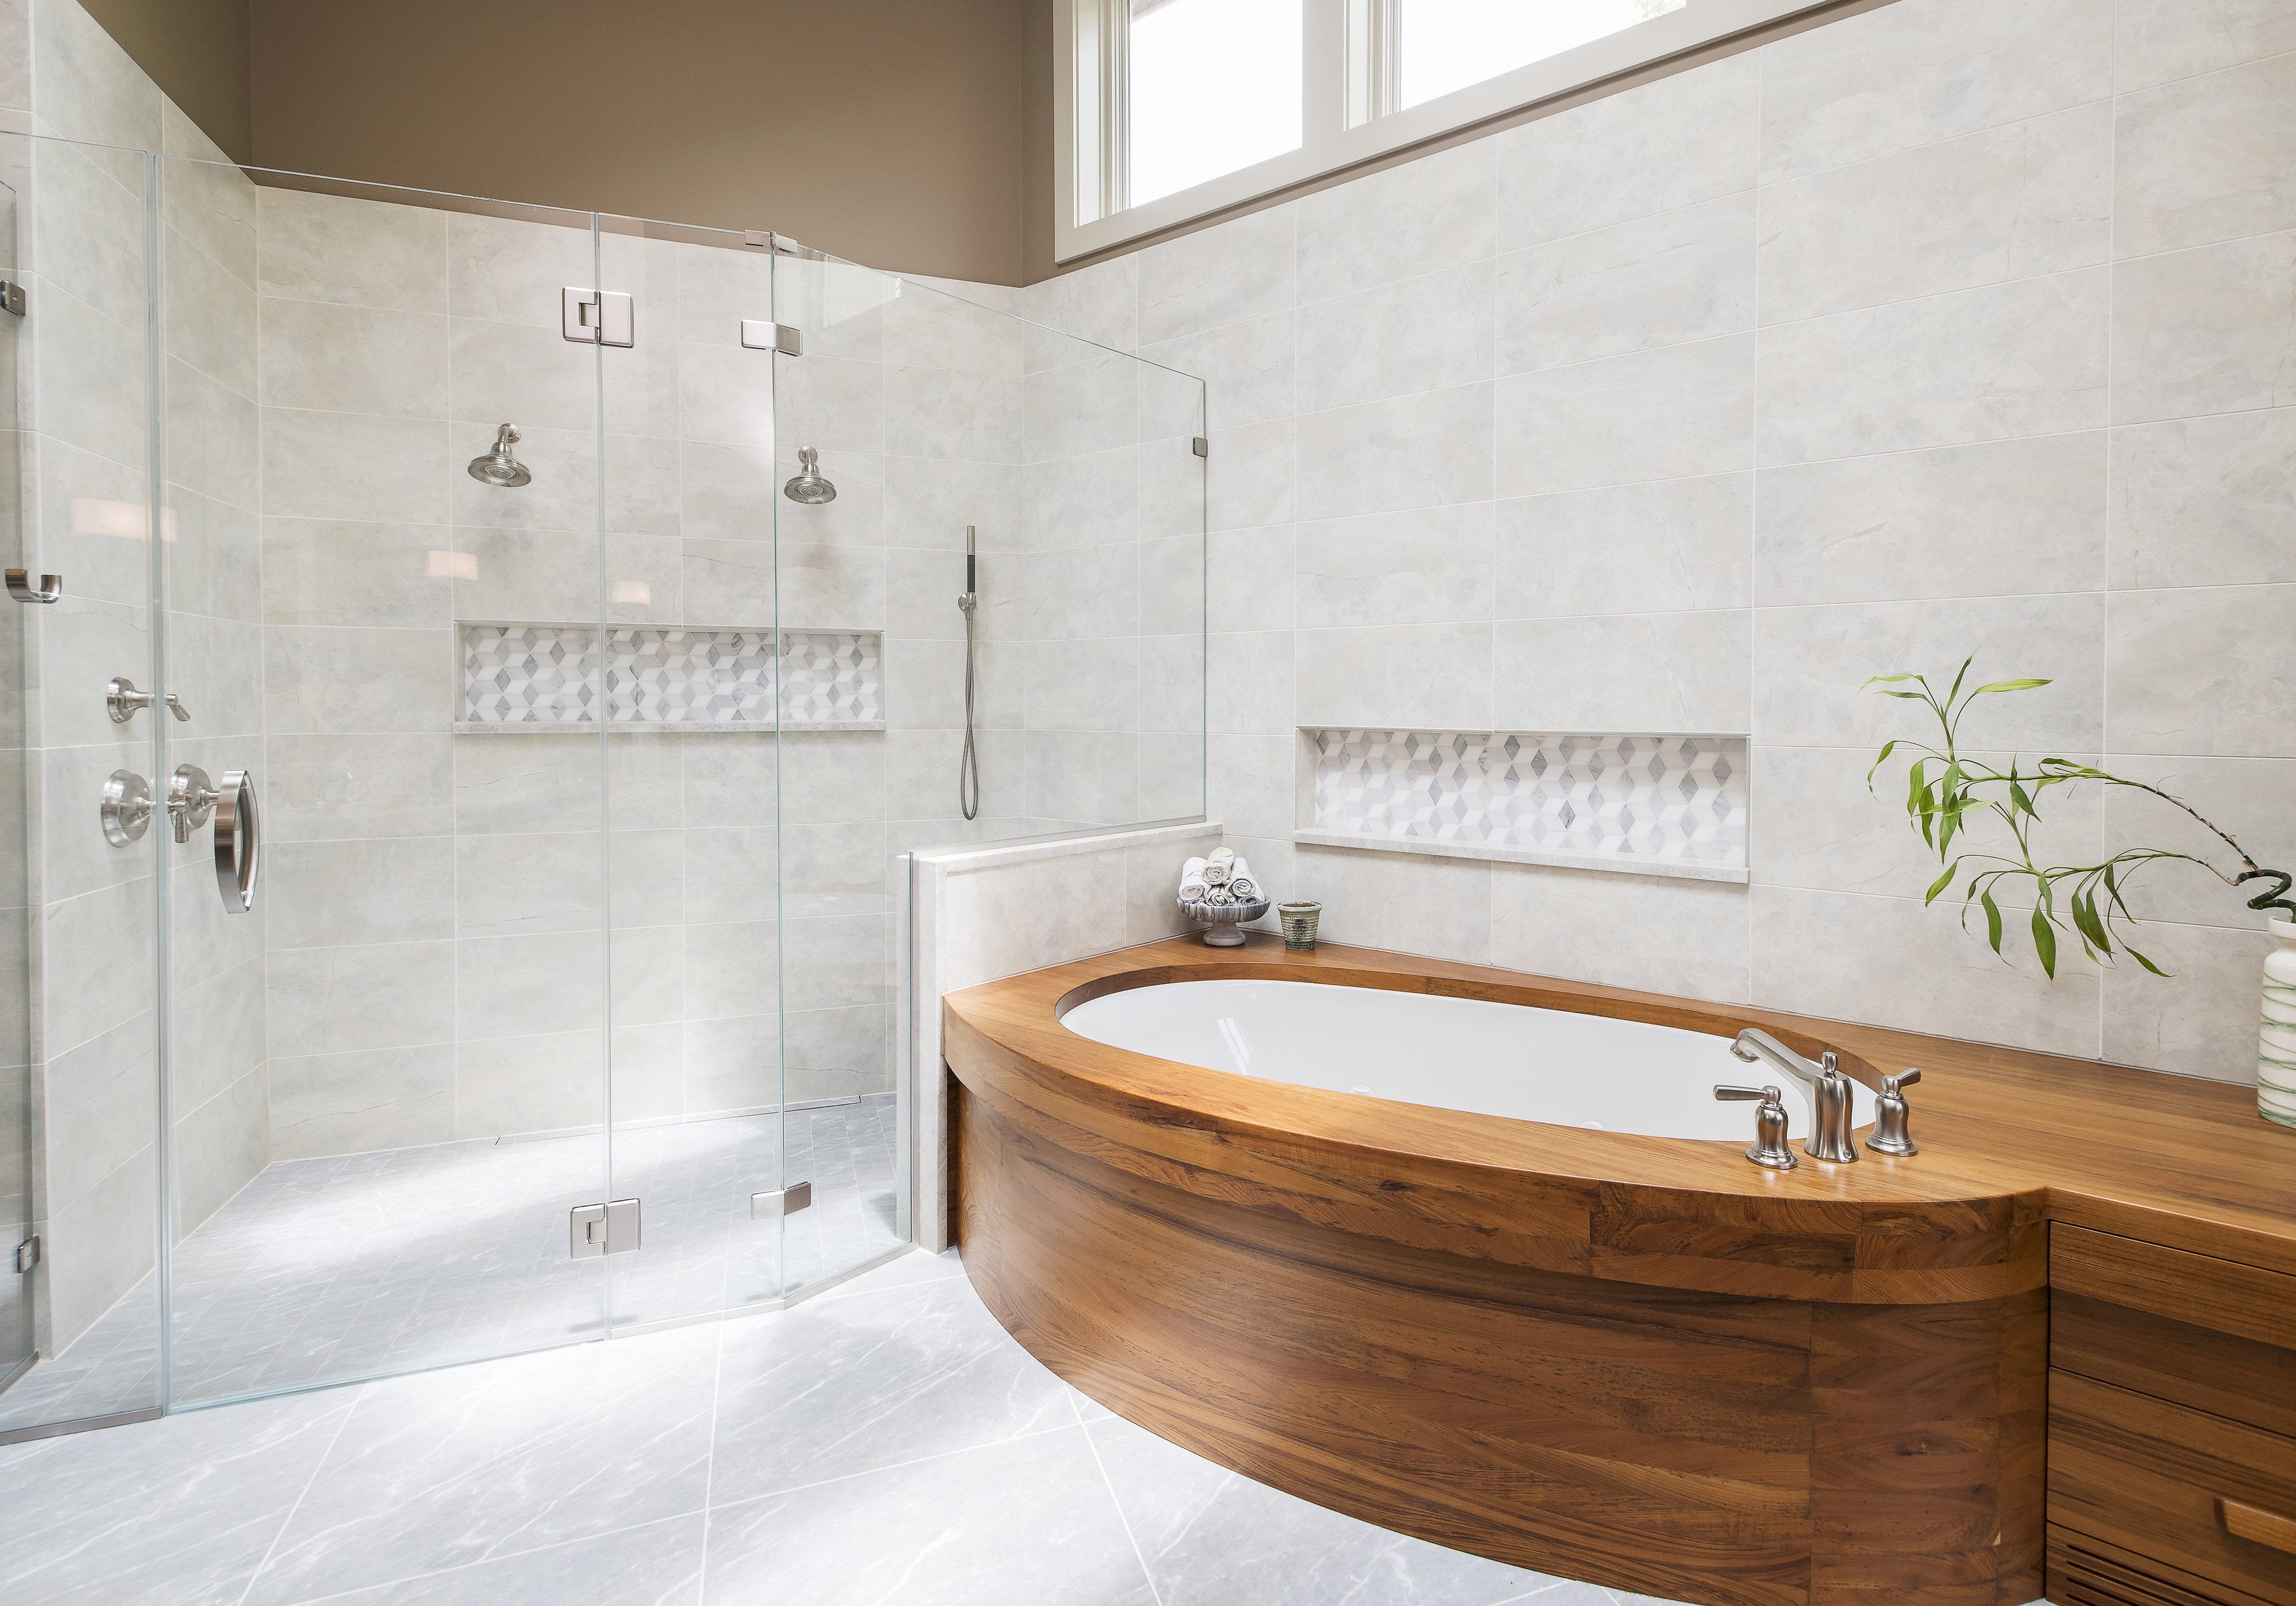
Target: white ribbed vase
2275, 1046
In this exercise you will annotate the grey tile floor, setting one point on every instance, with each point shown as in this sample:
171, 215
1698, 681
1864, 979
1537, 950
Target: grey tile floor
326, 1269
884, 1442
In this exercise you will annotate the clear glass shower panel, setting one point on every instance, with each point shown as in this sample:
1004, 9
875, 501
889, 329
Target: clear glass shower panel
878, 383
694, 671
387, 1094
81, 1116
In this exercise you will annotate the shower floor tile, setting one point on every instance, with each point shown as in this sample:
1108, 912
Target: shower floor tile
327, 1269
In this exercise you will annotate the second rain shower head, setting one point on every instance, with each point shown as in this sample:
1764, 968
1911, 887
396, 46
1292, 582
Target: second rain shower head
808, 486
498, 466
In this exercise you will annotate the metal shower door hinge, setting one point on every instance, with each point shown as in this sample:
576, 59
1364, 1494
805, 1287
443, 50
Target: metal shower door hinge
12, 297
759, 335
781, 1201
598, 318
28, 1253
1203, 447
607, 1229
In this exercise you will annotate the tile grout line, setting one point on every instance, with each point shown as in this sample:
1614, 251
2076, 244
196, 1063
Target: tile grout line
1122, 1518
317, 1467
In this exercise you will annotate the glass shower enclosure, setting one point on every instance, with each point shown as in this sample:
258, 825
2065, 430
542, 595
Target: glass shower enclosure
462, 891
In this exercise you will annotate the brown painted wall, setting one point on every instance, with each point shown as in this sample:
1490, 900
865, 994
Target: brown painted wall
197, 52
885, 130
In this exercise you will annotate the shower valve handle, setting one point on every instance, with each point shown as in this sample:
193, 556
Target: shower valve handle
1769, 1149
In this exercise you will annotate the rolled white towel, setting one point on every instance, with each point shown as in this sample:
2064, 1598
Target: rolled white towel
1242, 882
1216, 874
1192, 883
1223, 857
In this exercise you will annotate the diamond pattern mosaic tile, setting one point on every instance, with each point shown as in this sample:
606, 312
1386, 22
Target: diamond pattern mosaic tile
547, 674
1655, 797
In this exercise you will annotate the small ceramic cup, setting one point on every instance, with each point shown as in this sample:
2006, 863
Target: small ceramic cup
1299, 923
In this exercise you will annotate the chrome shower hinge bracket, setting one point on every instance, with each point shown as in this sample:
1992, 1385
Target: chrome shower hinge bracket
597, 318
781, 1201
762, 335
612, 1228
28, 1253
12, 297
1203, 447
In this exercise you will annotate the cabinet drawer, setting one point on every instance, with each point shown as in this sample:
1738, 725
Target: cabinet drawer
2212, 1498
2210, 1334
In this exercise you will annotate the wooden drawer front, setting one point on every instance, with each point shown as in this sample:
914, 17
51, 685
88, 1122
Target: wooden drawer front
2089, 1572
2210, 1334
2207, 1497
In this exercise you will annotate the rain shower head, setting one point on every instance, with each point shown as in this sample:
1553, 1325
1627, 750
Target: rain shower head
808, 486
498, 468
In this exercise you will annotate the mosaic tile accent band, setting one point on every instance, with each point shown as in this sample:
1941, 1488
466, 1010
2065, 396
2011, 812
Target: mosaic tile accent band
1663, 798
546, 674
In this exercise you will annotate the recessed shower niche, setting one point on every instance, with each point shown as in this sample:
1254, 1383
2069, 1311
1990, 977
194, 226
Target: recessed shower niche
546, 677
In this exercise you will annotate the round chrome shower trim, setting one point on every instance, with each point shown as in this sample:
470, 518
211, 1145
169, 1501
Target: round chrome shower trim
498, 466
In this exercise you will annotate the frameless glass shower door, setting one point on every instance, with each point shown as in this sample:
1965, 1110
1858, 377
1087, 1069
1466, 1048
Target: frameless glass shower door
19, 1247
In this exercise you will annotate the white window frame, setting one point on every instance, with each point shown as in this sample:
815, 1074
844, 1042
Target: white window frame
1349, 89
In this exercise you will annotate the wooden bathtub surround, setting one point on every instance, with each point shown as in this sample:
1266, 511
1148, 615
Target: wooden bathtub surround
1644, 1362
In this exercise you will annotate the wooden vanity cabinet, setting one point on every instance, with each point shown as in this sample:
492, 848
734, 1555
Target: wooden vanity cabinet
2172, 1426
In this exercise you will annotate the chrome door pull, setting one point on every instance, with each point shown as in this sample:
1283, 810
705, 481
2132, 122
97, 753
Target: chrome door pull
21, 586
121, 700
193, 800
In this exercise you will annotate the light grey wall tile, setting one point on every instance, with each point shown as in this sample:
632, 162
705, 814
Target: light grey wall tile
2204, 501
1415, 677
1398, 902
731, 1063
1681, 275
216, 565
2157, 40
1672, 413
821, 588
357, 1102
218, 1147
1085, 501
514, 885
1426, 566
2204, 330
1674, 143
16, 56
529, 1084
951, 413
100, 1108
355, 252
1431, 213
2206, 158
1659, 672
338, 572
211, 437
1089, 405
2207, 671
1662, 546
1084, 593
99, 1247
1249, 479
340, 466
1221, 275
1246, 366
1171, 589
2244, 796
1810, 664
85, 212
928, 503
324, 357
1081, 777
1248, 579
2005, 518
523, 986
87, 87
2027, 198
563, 495
335, 1001
729, 873
837, 962
1250, 681
2201, 1022
96, 963
1912, 74
837, 1053
1888, 960
1687, 938
220, 1033
330, 787
1249, 784
329, 894
356, 682
1427, 334
90, 384
527, 783
1088, 685
533, 377
731, 968
210, 319
2022, 358
830, 776
1817, 823
1411, 451
511, 271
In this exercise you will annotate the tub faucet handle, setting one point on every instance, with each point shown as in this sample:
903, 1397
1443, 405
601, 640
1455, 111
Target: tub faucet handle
1769, 1149
1891, 1114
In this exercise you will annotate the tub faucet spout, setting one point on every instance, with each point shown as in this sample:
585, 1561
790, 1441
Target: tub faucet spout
1829, 1093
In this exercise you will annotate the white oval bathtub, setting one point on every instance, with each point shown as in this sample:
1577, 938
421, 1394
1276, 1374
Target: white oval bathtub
1454, 1053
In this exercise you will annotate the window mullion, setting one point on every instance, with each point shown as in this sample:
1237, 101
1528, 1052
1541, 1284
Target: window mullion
1373, 59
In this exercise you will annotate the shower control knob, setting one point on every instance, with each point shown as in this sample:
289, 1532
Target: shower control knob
1891, 1116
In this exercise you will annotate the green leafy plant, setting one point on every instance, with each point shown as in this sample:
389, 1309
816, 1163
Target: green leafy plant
1947, 791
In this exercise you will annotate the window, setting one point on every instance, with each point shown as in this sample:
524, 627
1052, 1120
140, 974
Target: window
1171, 109
1214, 86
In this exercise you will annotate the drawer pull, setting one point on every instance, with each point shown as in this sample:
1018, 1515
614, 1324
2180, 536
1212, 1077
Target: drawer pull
2256, 1526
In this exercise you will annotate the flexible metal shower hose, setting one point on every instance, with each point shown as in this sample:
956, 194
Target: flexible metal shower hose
968, 769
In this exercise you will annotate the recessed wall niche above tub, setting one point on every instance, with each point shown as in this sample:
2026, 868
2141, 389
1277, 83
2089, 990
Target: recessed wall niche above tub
530, 677
1646, 804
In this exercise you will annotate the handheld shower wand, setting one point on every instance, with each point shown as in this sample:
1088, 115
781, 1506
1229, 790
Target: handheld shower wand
968, 768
